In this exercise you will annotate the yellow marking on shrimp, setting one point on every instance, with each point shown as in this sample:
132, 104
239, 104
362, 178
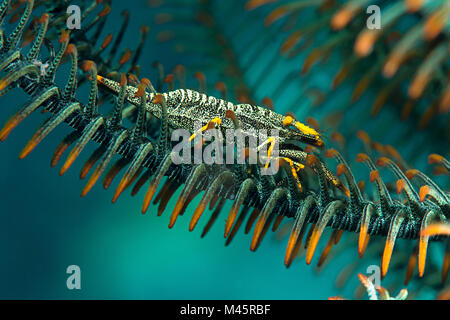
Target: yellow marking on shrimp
294, 170
211, 124
288, 121
271, 142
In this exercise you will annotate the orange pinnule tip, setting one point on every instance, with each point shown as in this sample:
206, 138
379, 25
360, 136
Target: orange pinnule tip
340, 169
361, 185
148, 198
364, 280
253, 4
391, 66
345, 190
4, 84
123, 79
363, 136
176, 211
378, 147
340, 76
411, 173
417, 86
140, 91
220, 86
105, 11
71, 48
336, 298
257, 233
341, 18
122, 185
70, 160
242, 97
383, 161
158, 99
230, 221
87, 167
169, 78
58, 153
275, 15
440, 170
126, 56
423, 192
28, 148
133, 78
112, 75
423, 246
436, 229
406, 110
310, 60
291, 41
197, 214
90, 184
413, 5
87, 65
434, 25
45, 17
146, 82
330, 153
144, 29
410, 268
311, 159
435, 158
230, 114
313, 241
267, 102
110, 177
246, 153
364, 43
392, 151
374, 175
400, 185
362, 157
200, 76
337, 137
179, 69
9, 126
444, 106
386, 259
65, 35
362, 239
290, 249
107, 41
